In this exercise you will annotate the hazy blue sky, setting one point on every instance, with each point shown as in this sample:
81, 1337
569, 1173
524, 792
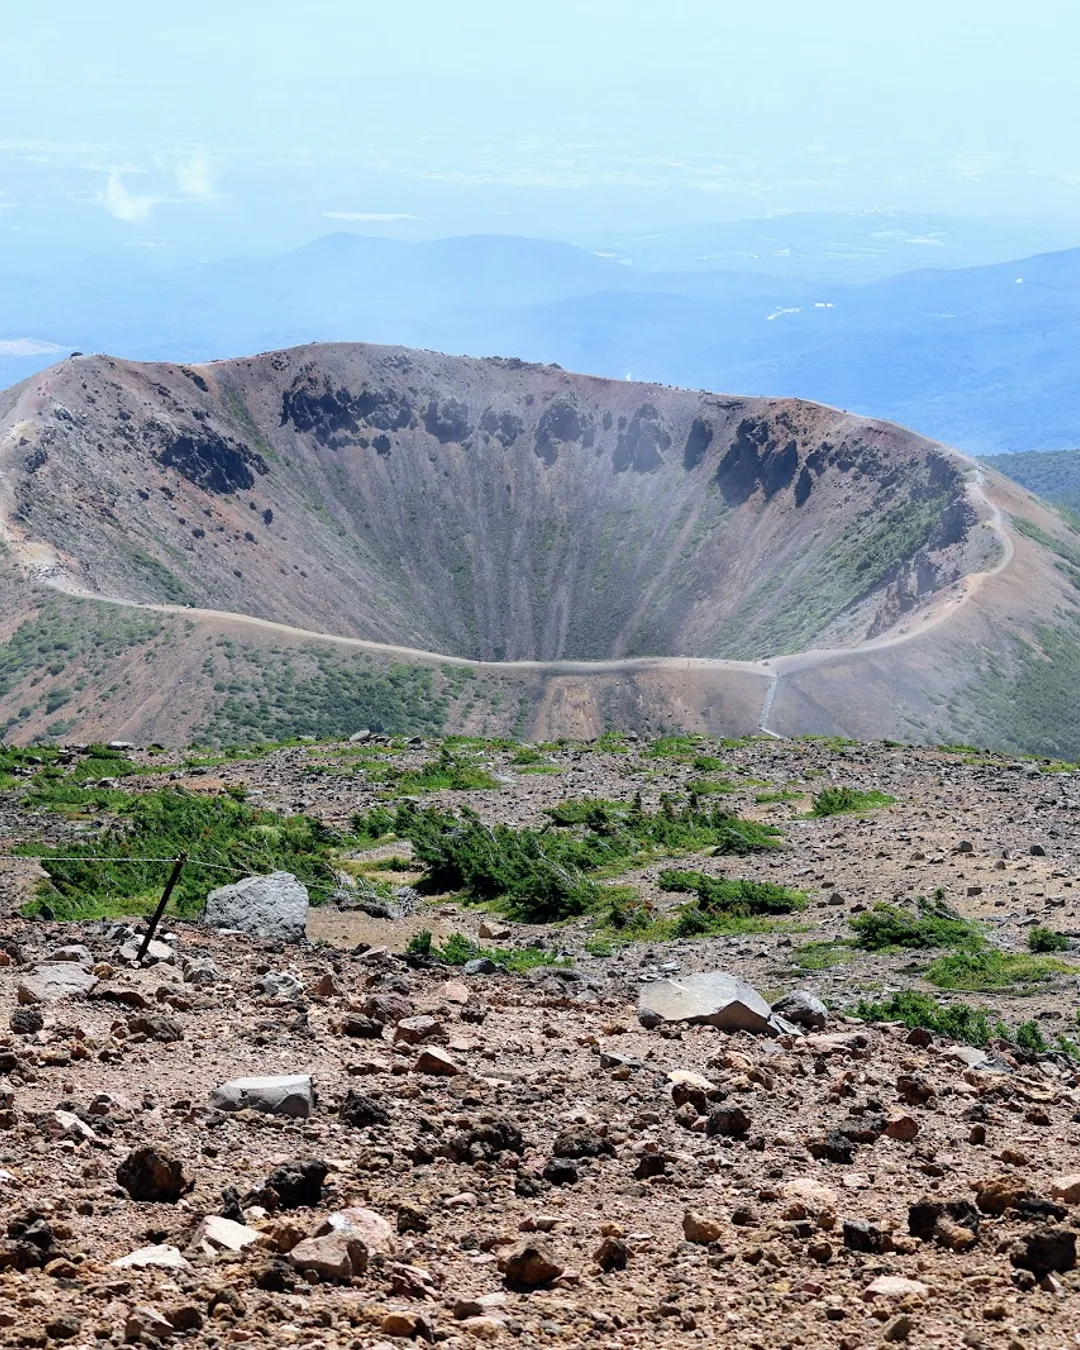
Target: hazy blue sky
205, 127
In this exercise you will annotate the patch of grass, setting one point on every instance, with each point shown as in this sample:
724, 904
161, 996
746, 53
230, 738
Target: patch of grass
1026, 700
845, 800
545, 875
721, 895
1044, 940
449, 771
235, 838
612, 743
458, 949
934, 925
528, 754
955, 1021
673, 747
990, 970
1029, 1037
783, 795
710, 787
316, 691
823, 955
157, 576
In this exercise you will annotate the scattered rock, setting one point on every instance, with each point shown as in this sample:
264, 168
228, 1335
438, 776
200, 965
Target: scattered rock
215, 1234
162, 1256
26, 1020
49, 984
582, 1141
1066, 1188
804, 1009
612, 1254
280, 984
145, 1321
337, 1255
150, 1175
361, 1111
364, 1224
1045, 1251
714, 998
273, 906
288, 1095
697, 1228
895, 1286
298, 1185
529, 1266
436, 1062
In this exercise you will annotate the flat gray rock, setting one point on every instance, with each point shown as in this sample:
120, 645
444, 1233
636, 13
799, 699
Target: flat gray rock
272, 906
713, 997
49, 983
288, 1095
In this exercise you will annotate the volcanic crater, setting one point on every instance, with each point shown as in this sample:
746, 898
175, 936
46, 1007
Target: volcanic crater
487, 509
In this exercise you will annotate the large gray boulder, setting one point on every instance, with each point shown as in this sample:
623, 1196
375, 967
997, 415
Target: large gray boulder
49, 983
713, 997
287, 1095
273, 906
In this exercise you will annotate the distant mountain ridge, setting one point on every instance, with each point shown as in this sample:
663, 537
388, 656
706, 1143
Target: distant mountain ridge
982, 358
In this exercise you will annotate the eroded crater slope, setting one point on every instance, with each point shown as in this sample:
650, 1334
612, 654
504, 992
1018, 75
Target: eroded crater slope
488, 509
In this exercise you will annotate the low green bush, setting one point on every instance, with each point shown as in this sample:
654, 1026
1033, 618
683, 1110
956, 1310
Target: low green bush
1045, 940
459, 948
544, 875
225, 838
844, 800
955, 1021
935, 924
721, 895
823, 955
989, 970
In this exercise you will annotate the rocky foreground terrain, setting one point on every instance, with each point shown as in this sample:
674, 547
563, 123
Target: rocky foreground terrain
469, 1153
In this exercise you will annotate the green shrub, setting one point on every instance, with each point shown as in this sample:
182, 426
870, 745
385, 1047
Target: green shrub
1029, 1037
1046, 940
458, 948
841, 801
545, 875
420, 943
956, 1021
719, 895
975, 971
886, 927
706, 787
225, 838
447, 772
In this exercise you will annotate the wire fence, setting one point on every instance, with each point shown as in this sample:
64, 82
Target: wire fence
110, 858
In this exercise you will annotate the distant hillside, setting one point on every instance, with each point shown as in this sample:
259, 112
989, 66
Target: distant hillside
982, 358
1053, 475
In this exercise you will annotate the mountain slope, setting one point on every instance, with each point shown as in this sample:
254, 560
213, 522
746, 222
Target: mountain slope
1053, 475
583, 550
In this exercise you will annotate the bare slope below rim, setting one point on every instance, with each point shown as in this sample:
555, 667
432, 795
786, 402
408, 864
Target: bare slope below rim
490, 510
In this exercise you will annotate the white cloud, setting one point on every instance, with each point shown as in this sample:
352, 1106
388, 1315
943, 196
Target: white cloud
195, 176
28, 347
369, 215
122, 204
